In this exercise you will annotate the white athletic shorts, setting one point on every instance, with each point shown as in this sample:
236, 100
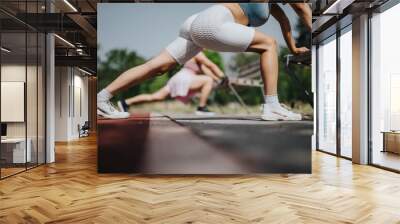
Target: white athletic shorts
179, 84
215, 29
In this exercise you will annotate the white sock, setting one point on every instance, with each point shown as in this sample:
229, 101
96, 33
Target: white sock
271, 99
104, 95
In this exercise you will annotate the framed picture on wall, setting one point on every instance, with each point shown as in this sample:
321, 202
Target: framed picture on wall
12, 101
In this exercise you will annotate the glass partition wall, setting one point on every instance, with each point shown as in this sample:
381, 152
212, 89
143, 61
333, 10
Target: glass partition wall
385, 89
345, 92
327, 95
334, 101
334, 86
22, 88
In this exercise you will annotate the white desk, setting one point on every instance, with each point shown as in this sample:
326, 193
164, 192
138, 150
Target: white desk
18, 149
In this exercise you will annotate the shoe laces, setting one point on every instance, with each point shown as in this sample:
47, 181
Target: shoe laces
287, 108
281, 107
112, 107
284, 106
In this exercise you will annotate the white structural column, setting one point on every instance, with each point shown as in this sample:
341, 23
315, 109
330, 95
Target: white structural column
360, 90
50, 92
314, 91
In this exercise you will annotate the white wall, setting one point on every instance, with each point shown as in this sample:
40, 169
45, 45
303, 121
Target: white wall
61, 103
314, 91
71, 87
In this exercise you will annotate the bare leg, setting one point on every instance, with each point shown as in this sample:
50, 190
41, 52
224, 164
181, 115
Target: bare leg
143, 98
267, 48
158, 65
204, 84
303, 10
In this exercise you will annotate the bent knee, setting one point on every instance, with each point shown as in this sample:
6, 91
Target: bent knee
269, 43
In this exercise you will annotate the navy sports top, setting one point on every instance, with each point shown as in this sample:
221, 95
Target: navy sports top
257, 13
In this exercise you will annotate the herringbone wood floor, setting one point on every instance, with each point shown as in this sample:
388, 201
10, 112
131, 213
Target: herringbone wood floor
71, 191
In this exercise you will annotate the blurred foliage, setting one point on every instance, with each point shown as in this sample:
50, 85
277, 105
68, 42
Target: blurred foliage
304, 38
215, 57
119, 60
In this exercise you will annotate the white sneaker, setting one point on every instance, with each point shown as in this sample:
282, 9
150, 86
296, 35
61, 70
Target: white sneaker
275, 112
106, 109
290, 114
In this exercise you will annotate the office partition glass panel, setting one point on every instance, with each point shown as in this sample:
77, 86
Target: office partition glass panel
346, 92
33, 73
327, 95
385, 89
15, 149
22, 88
32, 96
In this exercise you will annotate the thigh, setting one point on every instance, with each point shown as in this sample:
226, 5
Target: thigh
162, 62
234, 37
261, 42
162, 93
225, 37
182, 50
217, 30
198, 81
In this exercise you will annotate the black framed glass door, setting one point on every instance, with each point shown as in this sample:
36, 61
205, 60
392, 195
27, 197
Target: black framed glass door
22, 78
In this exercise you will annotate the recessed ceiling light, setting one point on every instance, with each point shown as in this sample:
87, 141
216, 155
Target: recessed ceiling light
64, 40
337, 7
5, 50
84, 71
70, 5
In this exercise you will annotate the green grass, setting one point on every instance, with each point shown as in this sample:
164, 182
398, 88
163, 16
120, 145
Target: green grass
173, 106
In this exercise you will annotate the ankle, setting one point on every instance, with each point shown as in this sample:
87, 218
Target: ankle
104, 95
271, 99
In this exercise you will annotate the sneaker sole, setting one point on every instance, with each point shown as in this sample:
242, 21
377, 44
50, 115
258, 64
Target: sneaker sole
278, 117
265, 118
100, 113
204, 113
268, 118
294, 119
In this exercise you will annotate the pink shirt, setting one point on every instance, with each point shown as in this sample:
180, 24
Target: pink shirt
192, 65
